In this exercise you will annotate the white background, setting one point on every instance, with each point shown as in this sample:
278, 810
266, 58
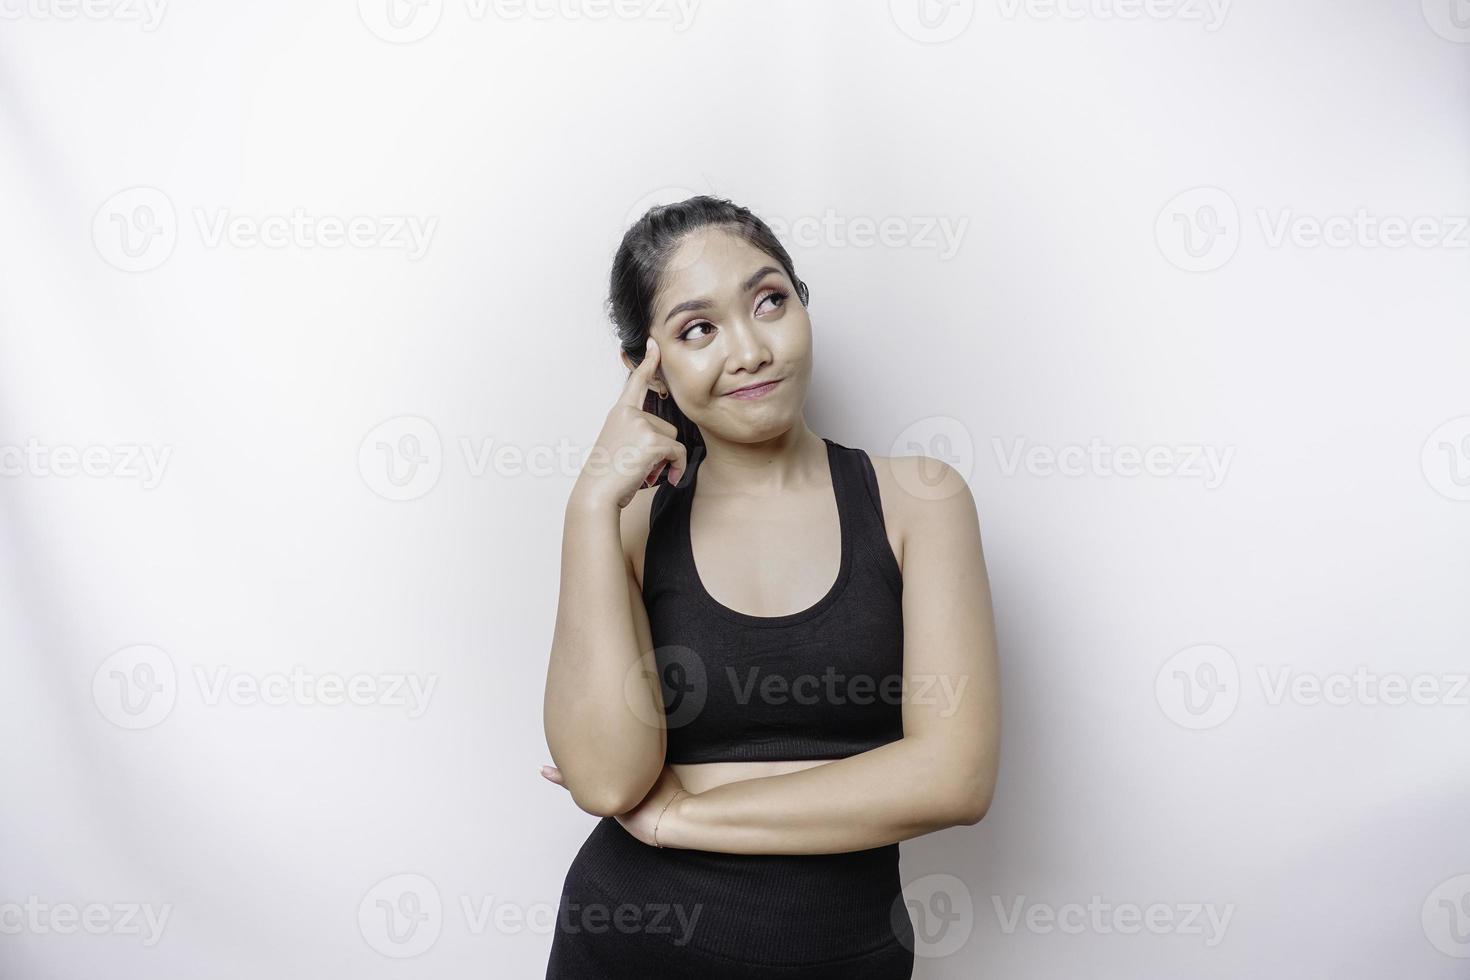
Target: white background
1144, 620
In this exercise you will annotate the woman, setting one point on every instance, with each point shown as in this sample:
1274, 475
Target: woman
761, 695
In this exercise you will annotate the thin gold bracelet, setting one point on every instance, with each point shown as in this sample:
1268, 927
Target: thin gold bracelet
661, 817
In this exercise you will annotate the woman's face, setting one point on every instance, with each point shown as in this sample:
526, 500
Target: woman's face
726, 316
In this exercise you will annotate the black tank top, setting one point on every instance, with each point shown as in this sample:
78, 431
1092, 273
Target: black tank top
822, 683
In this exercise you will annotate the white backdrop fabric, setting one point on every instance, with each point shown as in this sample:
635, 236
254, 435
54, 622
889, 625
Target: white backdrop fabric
301, 342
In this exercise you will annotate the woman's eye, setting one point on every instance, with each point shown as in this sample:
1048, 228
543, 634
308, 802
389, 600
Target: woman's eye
775, 294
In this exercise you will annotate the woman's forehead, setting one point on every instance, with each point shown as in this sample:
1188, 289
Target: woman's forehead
708, 264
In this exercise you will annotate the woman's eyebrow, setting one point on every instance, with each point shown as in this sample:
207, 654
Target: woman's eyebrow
704, 304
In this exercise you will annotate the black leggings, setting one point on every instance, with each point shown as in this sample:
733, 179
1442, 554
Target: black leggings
629, 910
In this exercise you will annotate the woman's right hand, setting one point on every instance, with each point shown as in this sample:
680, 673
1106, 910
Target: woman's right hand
634, 446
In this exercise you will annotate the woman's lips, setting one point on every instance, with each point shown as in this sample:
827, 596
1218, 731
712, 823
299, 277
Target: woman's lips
759, 391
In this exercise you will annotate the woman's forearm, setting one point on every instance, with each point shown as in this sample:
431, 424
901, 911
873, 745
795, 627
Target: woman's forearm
896, 792
601, 715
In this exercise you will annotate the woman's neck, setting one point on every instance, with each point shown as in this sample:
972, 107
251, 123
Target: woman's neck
791, 461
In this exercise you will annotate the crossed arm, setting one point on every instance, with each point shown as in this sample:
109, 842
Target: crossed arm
942, 773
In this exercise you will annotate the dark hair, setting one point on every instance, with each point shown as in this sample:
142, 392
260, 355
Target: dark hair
639, 266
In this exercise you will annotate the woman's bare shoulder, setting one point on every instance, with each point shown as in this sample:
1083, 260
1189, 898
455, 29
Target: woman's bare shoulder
909, 486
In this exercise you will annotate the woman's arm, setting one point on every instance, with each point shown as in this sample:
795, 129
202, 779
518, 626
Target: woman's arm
603, 711
942, 773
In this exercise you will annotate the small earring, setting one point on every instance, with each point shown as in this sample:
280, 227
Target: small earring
662, 395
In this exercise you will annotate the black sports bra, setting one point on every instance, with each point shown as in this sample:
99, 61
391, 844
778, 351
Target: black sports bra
822, 683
